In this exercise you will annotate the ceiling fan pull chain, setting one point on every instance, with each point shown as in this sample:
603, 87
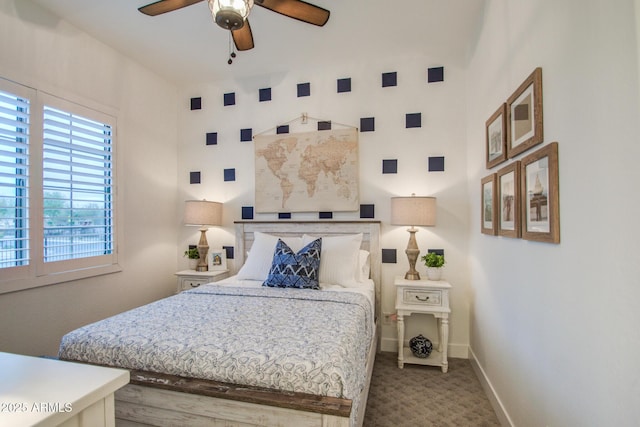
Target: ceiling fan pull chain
232, 50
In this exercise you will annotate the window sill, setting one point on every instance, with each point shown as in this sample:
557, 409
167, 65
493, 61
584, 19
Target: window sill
25, 283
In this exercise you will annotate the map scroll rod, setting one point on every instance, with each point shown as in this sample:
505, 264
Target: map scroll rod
304, 119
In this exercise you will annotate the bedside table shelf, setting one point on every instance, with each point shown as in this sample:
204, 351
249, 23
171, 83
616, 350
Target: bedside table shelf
425, 297
190, 279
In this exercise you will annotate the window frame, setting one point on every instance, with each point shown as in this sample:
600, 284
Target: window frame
38, 273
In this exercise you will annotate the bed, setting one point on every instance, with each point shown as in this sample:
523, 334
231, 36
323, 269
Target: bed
236, 353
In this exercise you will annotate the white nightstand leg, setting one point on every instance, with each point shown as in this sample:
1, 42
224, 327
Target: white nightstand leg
400, 341
444, 334
439, 327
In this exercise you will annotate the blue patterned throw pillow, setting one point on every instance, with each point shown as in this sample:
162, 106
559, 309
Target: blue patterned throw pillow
295, 270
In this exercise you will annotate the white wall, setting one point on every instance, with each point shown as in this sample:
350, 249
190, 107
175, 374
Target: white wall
554, 327
41, 51
441, 134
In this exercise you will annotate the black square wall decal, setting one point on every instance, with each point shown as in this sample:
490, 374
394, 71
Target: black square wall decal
344, 85
435, 74
229, 174
389, 256
367, 211
389, 79
367, 124
194, 177
245, 134
325, 215
304, 89
436, 164
230, 98
265, 94
196, 103
282, 129
212, 138
324, 125
284, 215
436, 251
247, 212
413, 120
229, 250
390, 166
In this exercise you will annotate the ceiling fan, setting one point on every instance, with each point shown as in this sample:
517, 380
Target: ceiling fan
232, 14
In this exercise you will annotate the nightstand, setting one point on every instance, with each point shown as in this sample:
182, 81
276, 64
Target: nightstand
189, 279
426, 297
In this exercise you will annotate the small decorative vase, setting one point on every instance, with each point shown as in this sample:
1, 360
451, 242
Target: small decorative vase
193, 263
420, 346
434, 273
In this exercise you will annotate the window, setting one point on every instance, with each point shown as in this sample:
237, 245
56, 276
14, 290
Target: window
77, 187
14, 180
57, 198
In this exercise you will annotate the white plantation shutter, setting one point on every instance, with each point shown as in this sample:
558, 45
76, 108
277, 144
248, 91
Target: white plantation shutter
14, 180
57, 189
77, 187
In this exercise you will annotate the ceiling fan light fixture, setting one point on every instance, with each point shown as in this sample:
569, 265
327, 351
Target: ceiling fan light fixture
230, 14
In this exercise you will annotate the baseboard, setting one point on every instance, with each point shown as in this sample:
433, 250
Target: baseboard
498, 408
457, 351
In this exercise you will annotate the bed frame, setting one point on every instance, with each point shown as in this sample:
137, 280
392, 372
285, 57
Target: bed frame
168, 400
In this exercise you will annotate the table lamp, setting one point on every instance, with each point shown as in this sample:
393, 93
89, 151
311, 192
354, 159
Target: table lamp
203, 214
413, 211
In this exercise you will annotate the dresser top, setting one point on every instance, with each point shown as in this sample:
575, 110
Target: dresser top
42, 392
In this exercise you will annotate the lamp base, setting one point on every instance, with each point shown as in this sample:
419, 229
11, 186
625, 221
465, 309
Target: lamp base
412, 252
203, 249
412, 276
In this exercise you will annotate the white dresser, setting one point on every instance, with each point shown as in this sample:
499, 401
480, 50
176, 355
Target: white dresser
44, 392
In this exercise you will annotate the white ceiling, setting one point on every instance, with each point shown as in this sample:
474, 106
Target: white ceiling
187, 47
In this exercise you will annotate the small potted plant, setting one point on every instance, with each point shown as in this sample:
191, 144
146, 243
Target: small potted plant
434, 263
193, 256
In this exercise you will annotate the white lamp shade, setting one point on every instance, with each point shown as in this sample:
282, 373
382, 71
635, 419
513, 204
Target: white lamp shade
413, 210
202, 212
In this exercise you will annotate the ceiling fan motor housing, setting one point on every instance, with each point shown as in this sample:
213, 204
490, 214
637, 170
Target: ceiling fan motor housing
229, 19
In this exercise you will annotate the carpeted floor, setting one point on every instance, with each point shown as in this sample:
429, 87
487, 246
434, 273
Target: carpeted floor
422, 396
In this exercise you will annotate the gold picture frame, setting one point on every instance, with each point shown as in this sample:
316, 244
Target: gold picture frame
488, 205
496, 137
540, 195
524, 115
508, 203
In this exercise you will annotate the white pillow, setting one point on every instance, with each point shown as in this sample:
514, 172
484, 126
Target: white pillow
258, 262
364, 265
338, 258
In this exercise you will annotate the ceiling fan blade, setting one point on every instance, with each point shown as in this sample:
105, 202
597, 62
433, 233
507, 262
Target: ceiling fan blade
164, 6
297, 9
243, 38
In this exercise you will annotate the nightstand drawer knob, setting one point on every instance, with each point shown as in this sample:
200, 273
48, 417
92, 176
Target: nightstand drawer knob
422, 299
195, 285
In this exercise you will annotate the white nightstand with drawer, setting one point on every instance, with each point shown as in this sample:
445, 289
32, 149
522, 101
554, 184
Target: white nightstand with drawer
189, 279
427, 297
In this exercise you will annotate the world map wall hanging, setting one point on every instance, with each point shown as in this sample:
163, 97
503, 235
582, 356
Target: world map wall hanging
307, 172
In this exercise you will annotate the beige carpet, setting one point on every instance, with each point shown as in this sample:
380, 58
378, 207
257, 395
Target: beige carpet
422, 396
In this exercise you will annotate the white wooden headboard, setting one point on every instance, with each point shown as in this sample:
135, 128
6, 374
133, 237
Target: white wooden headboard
370, 241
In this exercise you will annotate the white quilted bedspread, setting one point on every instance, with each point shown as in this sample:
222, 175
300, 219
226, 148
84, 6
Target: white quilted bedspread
287, 339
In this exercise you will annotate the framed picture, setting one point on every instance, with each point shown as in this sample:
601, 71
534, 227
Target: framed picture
524, 115
217, 259
508, 192
540, 202
496, 136
489, 225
